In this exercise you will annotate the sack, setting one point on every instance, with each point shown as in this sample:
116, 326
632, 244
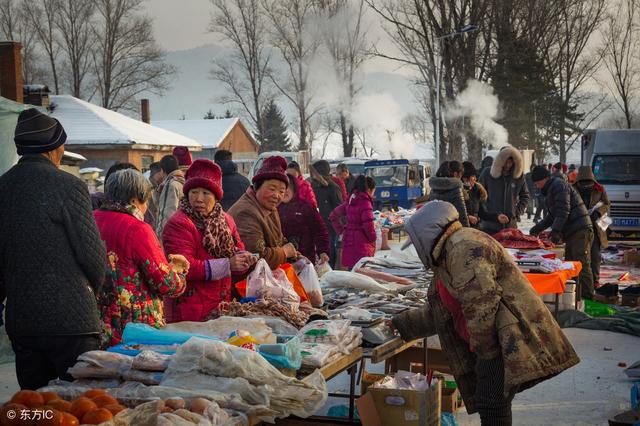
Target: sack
309, 279
262, 282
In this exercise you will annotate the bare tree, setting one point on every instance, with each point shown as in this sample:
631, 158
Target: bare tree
126, 58
245, 72
294, 37
41, 16
14, 26
77, 40
620, 49
571, 63
346, 40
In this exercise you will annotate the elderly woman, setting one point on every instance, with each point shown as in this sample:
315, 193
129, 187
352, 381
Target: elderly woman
256, 213
139, 275
202, 232
303, 225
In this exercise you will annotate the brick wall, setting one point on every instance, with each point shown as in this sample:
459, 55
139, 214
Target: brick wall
11, 71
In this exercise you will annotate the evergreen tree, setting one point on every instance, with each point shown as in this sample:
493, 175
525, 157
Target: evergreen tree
227, 114
275, 136
210, 115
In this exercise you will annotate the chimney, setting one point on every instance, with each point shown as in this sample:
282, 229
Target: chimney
146, 112
11, 71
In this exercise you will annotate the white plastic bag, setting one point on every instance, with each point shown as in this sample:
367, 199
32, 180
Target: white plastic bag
262, 282
322, 268
309, 279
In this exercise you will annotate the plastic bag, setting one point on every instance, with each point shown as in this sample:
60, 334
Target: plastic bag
322, 331
151, 361
144, 377
323, 268
262, 282
283, 355
278, 326
597, 309
100, 365
309, 279
317, 355
242, 339
145, 334
220, 328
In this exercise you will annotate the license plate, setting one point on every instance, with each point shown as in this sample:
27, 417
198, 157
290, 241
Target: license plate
624, 221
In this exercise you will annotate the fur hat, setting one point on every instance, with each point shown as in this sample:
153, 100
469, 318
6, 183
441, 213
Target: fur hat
585, 173
183, 155
272, 168
323, 167
539, 173
37, 133
502, 157
204, 174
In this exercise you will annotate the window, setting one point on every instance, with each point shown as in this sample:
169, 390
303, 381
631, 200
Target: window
146, 162
389, 175
617, 169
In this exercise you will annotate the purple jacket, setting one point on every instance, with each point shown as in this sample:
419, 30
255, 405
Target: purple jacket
359, 235
302, 225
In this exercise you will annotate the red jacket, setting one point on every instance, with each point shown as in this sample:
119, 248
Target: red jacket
139, 275
342, 186
208, 280
305, 192
359, 235
302, 225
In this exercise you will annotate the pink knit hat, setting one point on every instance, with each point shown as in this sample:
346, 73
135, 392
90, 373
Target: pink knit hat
272, 168
204, 174
183, 155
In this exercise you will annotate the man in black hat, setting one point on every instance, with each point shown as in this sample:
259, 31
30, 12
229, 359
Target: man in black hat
569, 221
52, 259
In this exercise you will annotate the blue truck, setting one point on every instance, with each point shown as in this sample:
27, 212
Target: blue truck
398, 182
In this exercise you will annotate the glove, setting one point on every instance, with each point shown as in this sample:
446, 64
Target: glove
595, 216
535, 231
555, 237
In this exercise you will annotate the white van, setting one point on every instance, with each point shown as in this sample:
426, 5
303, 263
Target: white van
289, 156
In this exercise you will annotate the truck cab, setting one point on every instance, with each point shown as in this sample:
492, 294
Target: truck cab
398, 182
614, 156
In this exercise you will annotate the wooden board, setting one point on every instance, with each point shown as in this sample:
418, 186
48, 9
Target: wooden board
338, 366
391, 348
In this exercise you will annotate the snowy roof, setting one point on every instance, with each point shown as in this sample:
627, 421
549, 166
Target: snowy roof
90, 170
74, 156
210, 133
89, 124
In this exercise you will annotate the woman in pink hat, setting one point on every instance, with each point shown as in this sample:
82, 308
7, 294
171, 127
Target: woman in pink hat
203, 233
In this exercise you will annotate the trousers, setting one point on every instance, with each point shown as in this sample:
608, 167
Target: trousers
40, 359
493, 404
578, 248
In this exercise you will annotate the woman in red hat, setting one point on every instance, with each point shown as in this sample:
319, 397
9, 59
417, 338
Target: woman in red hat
203, 233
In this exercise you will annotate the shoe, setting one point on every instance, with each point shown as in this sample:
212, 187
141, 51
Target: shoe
633, 290
608, 290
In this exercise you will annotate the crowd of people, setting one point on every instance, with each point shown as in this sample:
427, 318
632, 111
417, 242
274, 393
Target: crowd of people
76, 268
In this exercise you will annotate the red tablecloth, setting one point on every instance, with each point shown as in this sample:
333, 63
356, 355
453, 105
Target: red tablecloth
555, 282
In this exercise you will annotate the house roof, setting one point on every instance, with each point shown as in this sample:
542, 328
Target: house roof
210, 133
89, 124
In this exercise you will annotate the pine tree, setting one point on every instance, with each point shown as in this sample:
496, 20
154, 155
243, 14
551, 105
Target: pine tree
210, 115
227, 114
275, 137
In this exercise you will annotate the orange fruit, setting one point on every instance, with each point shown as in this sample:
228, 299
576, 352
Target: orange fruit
60, 405
55, 418
114, 408
96, 417
102, 400
69, 420
15, 409
92, 393
82, 406
49, 396
29, 398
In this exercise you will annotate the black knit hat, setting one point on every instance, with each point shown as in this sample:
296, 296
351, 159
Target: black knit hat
469, 170
323, 167
539, 173
37, 133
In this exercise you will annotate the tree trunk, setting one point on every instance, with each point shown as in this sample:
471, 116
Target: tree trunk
303, 132
474, 146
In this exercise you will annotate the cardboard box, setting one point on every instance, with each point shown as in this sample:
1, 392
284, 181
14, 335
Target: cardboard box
451, 400
609, 300
401, 407
631, 258
368, 379
630, 300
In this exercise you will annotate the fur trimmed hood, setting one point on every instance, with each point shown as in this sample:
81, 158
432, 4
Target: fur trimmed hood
502, 157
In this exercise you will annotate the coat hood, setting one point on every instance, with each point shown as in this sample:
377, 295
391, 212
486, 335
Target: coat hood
444, 183
427, 225
502, 157
487, 161
228, 167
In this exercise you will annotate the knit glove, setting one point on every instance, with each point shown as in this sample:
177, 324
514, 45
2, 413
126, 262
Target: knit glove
536, 230
555, 237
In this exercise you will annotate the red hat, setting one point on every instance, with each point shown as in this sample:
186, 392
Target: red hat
272, 168
183, 155
204, 174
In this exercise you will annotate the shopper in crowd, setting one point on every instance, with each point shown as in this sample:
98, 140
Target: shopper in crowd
234, 185
207, 237
183, 156
256, 214
138, 274
569, 221
341, 185
508, 195
342, 171
329, 196
156, 177
597, 202
559, 171
532, 191
446, 185
303, 226
485, 166
98, 197
572, 174
498, 335
170, 191
359, 234
53, 259
475, 194
304, 189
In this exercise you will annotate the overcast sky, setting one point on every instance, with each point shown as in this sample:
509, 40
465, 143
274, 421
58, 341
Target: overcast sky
180, 24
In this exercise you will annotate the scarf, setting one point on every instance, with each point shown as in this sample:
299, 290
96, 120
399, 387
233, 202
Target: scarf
217, 238
130, 209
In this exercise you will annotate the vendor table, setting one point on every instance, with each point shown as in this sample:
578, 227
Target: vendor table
555, 283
